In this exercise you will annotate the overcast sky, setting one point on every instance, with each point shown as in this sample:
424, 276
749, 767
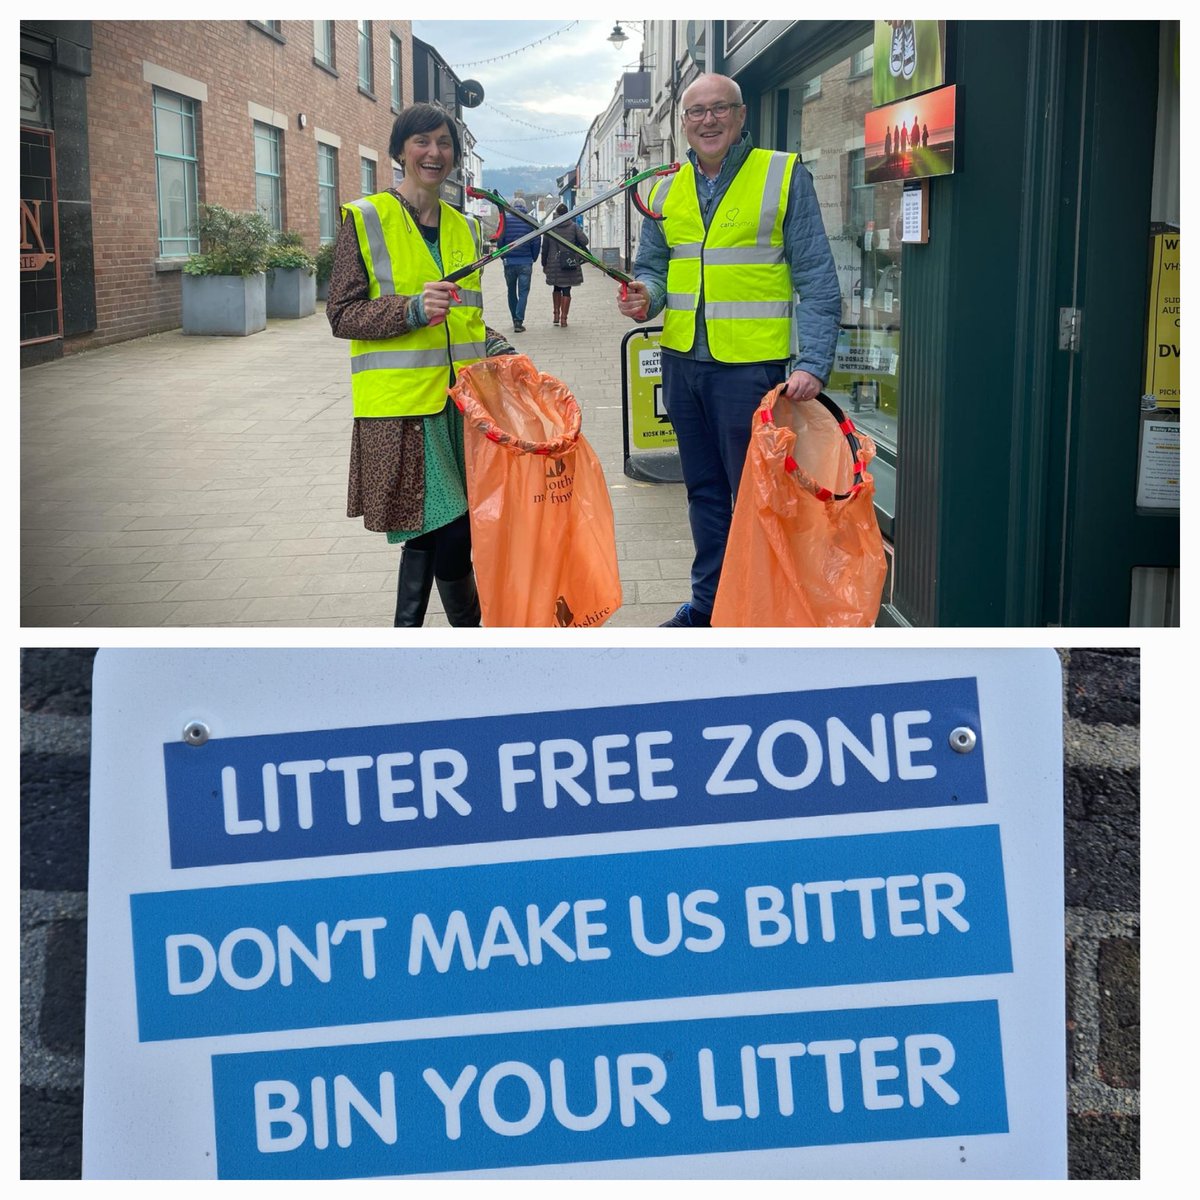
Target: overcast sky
559, 85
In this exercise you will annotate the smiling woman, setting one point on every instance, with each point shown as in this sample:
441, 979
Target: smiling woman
410, 332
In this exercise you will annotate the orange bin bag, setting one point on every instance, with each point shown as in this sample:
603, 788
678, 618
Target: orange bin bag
804, 548
542, 531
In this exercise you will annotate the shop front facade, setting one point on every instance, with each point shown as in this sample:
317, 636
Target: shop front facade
1001, 364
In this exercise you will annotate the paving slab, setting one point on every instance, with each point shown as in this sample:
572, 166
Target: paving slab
176, 480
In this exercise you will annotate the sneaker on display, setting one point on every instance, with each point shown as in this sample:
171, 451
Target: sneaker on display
910, 50
896, 61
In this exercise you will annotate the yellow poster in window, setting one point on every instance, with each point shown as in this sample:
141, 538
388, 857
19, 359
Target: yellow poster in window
1162, 338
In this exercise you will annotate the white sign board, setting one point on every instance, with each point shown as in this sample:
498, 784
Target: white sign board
634, 913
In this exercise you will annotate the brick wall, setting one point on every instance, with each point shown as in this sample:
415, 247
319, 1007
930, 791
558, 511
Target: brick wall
239, 64
1101, 707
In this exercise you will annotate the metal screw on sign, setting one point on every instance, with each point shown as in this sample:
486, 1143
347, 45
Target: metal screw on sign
962, 740
195, 733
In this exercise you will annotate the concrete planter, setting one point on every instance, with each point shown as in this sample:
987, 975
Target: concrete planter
224, 305
323, 290
291, 292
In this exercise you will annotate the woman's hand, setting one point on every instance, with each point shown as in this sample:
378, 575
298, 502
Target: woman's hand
435, 298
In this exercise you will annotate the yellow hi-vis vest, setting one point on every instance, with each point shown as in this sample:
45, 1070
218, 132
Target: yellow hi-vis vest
407, 376
737, 263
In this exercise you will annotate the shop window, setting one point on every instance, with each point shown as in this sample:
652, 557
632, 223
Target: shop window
323, 44
366, 70
176, 174
825, 120
368, 176
268, 191
396, 61
327, 191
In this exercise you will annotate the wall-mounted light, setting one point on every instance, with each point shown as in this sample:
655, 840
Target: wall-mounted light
618, 37
302, 120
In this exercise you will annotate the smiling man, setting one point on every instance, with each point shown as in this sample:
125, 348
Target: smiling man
742, 266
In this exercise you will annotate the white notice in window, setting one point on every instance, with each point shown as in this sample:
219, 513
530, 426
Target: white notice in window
912, 215
1158, 469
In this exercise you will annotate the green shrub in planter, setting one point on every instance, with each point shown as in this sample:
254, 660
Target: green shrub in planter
291, 282
224, 287
324, 261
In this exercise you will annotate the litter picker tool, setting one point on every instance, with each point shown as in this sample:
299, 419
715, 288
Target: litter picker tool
507, 209
626, 185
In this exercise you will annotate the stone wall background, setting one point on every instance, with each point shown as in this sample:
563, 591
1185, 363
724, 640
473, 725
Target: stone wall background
1101, 710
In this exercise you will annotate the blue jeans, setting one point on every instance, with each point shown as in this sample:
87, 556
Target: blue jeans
711, 406
517, 276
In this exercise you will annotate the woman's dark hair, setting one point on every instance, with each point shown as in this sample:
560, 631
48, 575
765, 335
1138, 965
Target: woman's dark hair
562, 208
422, 118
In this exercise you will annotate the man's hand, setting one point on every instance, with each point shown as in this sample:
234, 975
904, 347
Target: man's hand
801, 385
635, 301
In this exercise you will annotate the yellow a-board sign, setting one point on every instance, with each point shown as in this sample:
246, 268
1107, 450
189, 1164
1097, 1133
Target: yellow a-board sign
649, 426
651, 445
1162, 337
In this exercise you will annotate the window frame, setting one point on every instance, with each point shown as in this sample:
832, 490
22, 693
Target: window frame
187, 112
368, 167
396, 65
331, 28
366, 37
275, 216
327, 154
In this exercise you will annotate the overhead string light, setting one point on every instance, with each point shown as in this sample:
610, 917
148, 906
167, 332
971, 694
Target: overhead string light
520, 49
518, 121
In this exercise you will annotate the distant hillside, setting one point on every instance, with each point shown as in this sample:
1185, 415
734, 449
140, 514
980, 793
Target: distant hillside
533, 181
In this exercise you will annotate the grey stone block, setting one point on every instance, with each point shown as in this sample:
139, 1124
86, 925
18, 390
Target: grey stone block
1118, 973
1103, 1147
57, 681
54, 821
1102, 836
51, 1133
1104, 685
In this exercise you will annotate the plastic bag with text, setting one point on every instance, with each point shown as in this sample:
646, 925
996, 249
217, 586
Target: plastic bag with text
804, 548
542, 532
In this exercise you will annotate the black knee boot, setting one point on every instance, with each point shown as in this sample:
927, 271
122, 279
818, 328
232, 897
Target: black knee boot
413, 586
460, 599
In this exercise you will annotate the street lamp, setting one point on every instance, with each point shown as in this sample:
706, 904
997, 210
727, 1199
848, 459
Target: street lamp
618, 37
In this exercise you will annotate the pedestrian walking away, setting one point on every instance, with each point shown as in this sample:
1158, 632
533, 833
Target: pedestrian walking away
518, 265
740, 233
410, 332
563, 270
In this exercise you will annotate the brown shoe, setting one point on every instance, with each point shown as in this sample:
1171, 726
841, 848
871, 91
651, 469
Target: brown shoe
566, 308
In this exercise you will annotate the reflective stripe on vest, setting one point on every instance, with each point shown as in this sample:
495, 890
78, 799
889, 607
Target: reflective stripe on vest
407, 376
737, 264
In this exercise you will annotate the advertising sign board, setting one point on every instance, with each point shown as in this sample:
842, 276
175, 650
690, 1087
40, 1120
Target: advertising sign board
669, 913
651, 446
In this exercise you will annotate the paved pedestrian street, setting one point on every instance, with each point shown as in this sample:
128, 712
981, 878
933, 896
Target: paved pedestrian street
188, 481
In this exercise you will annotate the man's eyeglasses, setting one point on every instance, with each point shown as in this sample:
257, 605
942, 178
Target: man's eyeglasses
696, 113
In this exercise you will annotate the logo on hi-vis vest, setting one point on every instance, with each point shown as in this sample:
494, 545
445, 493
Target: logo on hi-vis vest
456, 258
731, 220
